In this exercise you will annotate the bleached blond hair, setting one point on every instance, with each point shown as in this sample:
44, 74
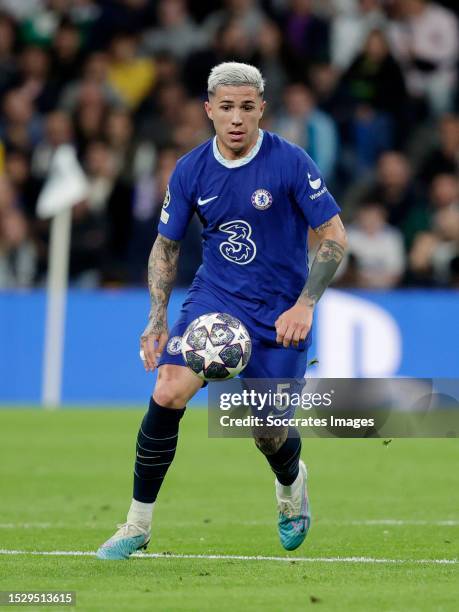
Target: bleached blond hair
235, 74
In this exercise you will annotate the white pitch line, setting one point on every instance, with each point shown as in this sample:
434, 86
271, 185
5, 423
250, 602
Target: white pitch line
319, 522
30, 525
81, 553
371, 522
442, 523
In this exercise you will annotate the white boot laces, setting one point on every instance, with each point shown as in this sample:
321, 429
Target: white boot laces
128, 529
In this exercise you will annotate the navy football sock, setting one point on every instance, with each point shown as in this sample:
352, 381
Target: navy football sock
155, 450
285, 462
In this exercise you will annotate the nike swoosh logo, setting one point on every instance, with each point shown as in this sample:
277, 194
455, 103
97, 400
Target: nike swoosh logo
202, 202
315, 184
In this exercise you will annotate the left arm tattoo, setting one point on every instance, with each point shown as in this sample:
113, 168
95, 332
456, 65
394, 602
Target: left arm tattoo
328, 257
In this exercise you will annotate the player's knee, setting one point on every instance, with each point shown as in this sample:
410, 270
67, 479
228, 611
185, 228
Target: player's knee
168, 396
270, 446
170, 391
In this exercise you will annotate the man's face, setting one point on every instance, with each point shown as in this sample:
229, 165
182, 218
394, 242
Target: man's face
236, 113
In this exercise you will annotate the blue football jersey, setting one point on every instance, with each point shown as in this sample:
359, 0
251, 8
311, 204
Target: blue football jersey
255, 214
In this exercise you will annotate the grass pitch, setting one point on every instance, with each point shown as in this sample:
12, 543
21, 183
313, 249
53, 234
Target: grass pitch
66, 482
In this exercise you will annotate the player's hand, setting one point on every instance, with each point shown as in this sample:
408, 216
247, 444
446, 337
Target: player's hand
293, 325
152, 342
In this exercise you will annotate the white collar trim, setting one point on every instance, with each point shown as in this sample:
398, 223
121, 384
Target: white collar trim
236, 163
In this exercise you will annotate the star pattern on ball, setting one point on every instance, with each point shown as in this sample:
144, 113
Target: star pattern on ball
210, 352
216, 346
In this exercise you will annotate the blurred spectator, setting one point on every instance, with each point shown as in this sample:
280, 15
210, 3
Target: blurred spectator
130, 76
307, 37
89, 115
148, 196
176, 32
101, 224
34, 79
95, 76
377, 247
370, 134
444, 192
425, 39
16, 168
435, 244
26, 188
20, 127
58, 130
236, 44
351, 27
270, 57
395, 189
311, 129
433, 253
112, 17
18, 193
374, 94
132, 157
118, 135
167, 68
193, 129
159, 127
444, 159
375, 79
245, 12
230, 43
17, 252
7, 59
108, 213
324, 80
66, 54
89, 233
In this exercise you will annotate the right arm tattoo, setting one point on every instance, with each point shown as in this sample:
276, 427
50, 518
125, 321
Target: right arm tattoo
162, 270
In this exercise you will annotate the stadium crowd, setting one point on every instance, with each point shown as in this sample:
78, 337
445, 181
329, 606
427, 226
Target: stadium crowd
368, 87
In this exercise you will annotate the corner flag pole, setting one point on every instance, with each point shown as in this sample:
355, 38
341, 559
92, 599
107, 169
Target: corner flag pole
57, 284
65, 187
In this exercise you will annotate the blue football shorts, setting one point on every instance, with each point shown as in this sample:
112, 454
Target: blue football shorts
268, 360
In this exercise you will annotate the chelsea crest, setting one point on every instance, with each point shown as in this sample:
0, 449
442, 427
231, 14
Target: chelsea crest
174, 346
262, 199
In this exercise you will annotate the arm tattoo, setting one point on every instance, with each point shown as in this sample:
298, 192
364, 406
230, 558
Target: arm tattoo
323, 226
162, 270
326, 261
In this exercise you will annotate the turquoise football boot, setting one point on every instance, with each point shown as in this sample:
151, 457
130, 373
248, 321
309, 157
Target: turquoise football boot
127, 540
294, 511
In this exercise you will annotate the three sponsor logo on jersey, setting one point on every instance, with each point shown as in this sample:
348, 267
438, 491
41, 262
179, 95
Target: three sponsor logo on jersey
238, 248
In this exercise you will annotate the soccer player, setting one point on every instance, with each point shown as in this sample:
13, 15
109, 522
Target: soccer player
256, 195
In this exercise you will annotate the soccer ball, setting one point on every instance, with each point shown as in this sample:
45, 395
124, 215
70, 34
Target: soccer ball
216, 346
